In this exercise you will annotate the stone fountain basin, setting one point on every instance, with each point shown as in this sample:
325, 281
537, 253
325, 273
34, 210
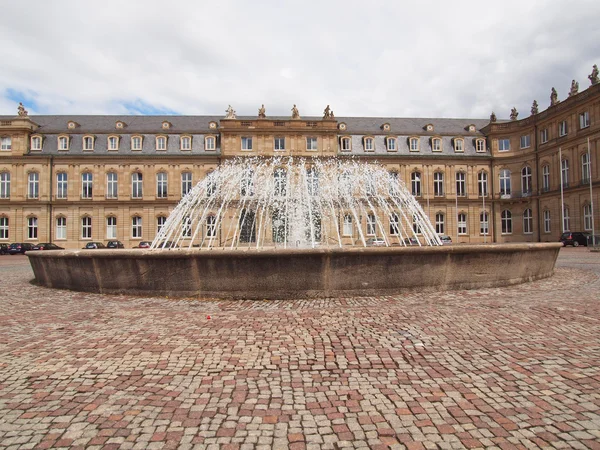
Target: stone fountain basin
298, 273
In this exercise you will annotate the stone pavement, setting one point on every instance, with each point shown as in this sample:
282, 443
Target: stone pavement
515, 367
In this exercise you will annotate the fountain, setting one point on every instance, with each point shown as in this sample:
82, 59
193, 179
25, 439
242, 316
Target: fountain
294, 228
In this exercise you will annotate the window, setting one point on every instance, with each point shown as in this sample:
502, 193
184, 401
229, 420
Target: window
566, 219
61, 185
346, 144
186, 143
88, 143
480, 145
279, 144
371, 225
86, 185
461, 184
482, 183
584, 119
211, 226
5, 143
527, 221
136, 143
161, 185
113, 143
211, 185
414, 144
111, 227
4, 184
33, 185
564, 164
415, 224
369, 146
186, 183
506, 221
484, 223
36, 143
415, 181
187, 226
436, 145
347, 231
503, 145
544, 135
247, 143
312, 179
440, 223
459, 145
505, 182
462, 223
438, 184
136, 227
394, 224
562, 128
61, 227
3, 227
63, 143
280, 182
161, 143
160, 222
136, 185
247, 184
587, 217
526, 141
210, 143
391, 144
32, 228
311, 143
86, 227
112, 187
393, 183
547, 221
585, 168
546, 178
526, 183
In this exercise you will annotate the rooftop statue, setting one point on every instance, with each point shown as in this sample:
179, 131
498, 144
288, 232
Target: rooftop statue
593, 77
261, 112
327, 113
230, 113
22, 111
493, 117
554, 98
331, 116
574, 88
513, 114
534, 108
295, 113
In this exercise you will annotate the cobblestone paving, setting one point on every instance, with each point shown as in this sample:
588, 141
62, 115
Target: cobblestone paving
516, 367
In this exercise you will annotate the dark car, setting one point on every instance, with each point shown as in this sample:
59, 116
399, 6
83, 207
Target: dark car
574, 238
19, 247
3, 249
167, 244
114, 244
94, 245
46, 246
411, 241
144, 244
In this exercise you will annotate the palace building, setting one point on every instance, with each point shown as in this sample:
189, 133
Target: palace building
74, 179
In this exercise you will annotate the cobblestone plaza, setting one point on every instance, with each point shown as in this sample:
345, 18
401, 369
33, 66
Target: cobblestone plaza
515, 367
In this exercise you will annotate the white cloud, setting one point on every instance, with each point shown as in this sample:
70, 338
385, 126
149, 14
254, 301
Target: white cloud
383, 58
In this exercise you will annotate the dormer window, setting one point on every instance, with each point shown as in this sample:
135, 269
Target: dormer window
391, 144
186, 143
71, 125
36, 143
342, 126
436, 144
212, 125
166, 125
346, 144
428, 127
413, 144
136, 143
459, 145
471, 128
161, 143
113, 143
386, 127
210, 143
119, 125
88, 143
480, 145
369, 144
63, 142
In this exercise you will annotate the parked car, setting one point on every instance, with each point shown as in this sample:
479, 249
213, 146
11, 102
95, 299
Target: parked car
19, 247
144, 244
411, 241
3, 249
574, 238
94, 245
114, 244
167, 244
376, 242
47, 246
445, 239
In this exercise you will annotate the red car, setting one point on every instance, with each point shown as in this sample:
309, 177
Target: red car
144, 244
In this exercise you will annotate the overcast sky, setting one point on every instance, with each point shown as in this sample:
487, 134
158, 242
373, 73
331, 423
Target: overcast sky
422, 58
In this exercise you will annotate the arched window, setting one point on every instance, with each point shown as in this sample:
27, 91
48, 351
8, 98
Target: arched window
547, 221
506, 221
32, 227
482, 182
461, 184
111, 227
440, 223
4, 184
527, 221
36, 143
484, 223
63, 143
312, 179
394, 224
587, 217
87, 183
438, 184
211, 226
61, 227
280, 182
347, 230
4, 227
112, 187
279, 226
369, 144
161, 143
210, 143
160, 222
186, 143
161, 185
346, 144
136, 227
247, 226
211, 184
247, 184
564, 167
88, 143
526, 183
86, 227
136, 143
186, 183
546, 178
462, 223
480, 145
459, 145
505, 182
413, 144
393, 182
585, 168
391, 144
33, 185
61, 185
436, 144
415, 182
566, 219
113, 142
371, 224
416, 225
137, 187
